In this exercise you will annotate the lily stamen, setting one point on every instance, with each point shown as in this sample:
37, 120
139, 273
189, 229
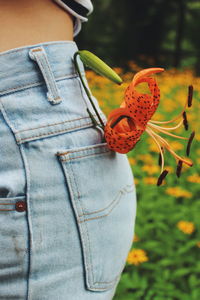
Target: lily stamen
190, 142
187, 103
179, 168
168, 128
190, 95
185, 121
167, 133
162, 177
160, 148
167, 146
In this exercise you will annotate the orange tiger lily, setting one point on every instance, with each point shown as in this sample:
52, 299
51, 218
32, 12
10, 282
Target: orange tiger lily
126, 124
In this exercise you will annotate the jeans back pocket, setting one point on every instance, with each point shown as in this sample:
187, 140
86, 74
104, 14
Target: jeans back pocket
102, 191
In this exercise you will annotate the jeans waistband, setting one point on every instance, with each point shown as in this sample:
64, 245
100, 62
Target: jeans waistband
19, 71
41, 94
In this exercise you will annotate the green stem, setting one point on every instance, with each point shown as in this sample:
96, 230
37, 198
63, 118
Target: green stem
88, 93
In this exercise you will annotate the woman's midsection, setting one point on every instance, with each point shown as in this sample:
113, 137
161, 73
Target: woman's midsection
27, 22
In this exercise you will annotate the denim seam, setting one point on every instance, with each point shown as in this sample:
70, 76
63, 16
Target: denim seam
80, 150
102, 216
29, 224
7, 209
121, 191
49, 133
88, 267
37, 83
12, 198
6, 117
116, 201
92, 154
52, 124
110, 283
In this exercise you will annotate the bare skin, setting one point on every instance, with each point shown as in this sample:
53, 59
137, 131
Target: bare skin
28, 22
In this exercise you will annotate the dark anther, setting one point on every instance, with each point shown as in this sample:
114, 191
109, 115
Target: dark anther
190, 94
179, 168
189, 143
161, 177
185, 121
119, 119
159, 160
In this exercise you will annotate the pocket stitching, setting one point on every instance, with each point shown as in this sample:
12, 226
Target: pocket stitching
104, 147
109, 283
88, 267
113, 201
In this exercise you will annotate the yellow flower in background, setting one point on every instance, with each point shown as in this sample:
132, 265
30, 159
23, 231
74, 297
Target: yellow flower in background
146, 158
171, 105
194, 178
136, 238
198, 244
176, 145
178, 192
198, 137
132, 160
170, 169
186, 227
153, 147
151, 180
137, 256
151, 169
136, 181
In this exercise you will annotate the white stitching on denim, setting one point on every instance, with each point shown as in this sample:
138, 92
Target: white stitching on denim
91, 154
35, 84
74, 204
102, 216
86, 148
52, 124
120, 191
89, 251
49, 133
110, 283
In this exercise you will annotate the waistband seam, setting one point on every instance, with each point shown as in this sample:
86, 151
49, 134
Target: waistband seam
21, 140
54, 124
34, 84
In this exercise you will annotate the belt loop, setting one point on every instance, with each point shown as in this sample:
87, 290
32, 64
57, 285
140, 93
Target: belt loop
39, 55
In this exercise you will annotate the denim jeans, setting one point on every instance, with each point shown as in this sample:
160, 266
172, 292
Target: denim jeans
67, 202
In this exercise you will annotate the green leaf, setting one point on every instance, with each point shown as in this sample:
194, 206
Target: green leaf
166, 262
100, 67
181, 272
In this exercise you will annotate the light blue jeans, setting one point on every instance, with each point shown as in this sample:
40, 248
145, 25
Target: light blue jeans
67, 202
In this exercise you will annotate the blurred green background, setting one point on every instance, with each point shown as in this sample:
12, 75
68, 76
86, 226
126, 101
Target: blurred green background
165, 31
164, 260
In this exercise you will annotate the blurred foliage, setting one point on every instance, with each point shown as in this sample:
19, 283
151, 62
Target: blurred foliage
164, 32
164, 260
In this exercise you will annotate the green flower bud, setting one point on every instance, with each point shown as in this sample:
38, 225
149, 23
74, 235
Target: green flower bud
100, 67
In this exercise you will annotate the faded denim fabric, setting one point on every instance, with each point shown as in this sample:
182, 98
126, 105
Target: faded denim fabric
72, 238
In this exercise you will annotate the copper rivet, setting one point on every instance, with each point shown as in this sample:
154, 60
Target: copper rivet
20, 206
